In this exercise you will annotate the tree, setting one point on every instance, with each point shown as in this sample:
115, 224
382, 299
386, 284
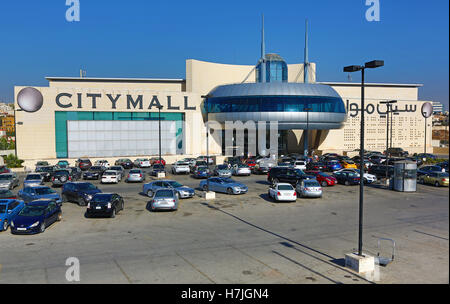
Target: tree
12, 161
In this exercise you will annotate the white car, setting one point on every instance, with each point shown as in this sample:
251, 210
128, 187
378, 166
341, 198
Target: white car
299, 164
111, 177
142, 163
282, 192
368, 178
241, 170
102, 163
181, 167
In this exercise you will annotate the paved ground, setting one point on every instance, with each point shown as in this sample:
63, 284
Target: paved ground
239, 239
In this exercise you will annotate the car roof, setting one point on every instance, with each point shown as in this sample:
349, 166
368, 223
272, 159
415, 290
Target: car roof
40, 202
6, 201
283, 184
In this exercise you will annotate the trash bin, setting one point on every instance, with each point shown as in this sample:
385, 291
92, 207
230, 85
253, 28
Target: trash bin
405, 176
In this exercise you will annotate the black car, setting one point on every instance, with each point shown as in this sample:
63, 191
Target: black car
347, 178
83, 163
125, 163
287, 175
157, 168
377, 159
75, 173
396, 152
380, 170
427, 169
94, 172
46, 172
105, 204
79, 192
61, 176
314, 166
443, 165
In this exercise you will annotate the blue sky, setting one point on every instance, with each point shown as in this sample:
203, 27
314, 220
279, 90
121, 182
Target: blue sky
147, 38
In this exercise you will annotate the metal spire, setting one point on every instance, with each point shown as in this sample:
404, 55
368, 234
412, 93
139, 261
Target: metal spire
306, 62
263, 54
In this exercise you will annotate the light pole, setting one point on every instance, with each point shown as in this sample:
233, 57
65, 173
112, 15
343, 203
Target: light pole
15, 129
159, 131
306, 141
349, 69
389, 109
206, 97
392, 125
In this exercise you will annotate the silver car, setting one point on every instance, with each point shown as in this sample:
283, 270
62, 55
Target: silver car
164, 199
9, 181
33, 179
309, 188
222, 171
241, 169
135, 175
181, 167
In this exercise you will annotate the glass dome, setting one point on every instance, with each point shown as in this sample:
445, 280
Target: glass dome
276, 69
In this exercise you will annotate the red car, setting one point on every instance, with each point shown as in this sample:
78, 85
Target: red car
155, 160
323, 178
4, 169
251, 163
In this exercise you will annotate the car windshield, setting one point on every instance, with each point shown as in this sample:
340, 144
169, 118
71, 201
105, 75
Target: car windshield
33, 177
87, 186
101, 198
32, 210
2, 209
228, 180
158, 166
135, 171
222, 167
311, 184
96, 168
116, 168
5, 176
63, 163
285, 187
175, 184
201, 169
352, 174
323, 174
242, 166
61, 173
164, 193
183, 164
109, 173
44, 191
299, 172
443, 174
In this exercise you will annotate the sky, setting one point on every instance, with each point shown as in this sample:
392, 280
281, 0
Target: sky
153, 39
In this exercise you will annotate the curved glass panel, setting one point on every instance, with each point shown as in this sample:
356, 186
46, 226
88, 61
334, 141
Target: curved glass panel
276, 104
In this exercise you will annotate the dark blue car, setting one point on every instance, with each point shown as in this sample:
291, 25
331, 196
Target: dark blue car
79, 192
9, 208
30, 194
35, 217
347, 178
333, 165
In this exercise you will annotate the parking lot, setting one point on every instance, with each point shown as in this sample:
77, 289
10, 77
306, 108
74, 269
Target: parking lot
238, 238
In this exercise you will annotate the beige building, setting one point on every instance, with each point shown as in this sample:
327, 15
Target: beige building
108, 118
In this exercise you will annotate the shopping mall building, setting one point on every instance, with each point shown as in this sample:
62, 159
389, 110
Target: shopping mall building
119, 117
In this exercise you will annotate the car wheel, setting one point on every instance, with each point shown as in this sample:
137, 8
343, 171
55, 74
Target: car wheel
230, 191
422, 181
59, 218
64, 198
113, 213
82, 203
150, 193
275, 181
42, 228
324, 184
5, 225
347, 183
436, 184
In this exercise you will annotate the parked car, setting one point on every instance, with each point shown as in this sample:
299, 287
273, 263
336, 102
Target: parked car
79, 192
190, 161
135, 176
348, 164
299, 164
119, 169
427, 169
33, 179
9, 208
75, 173
380, 171
201, 172
63, 164
368, 178
224, 185
35, 217
46, 172
324, 179
204, 158
181, 167
111, 177
42, 164
9, 181
262, 168
426, 156
4, 169
232, 161
320, 166
333, 165
30, 194
241, 170
142, 163
287, 175
157, 168
60, 177
251, 164
124, 162
396, 152
95, 172
222, 171
309, 188
435, 178
181, 191
198, 163
347, 178
105, 204
443, 165
102, 163
156, 160
282, 192
377, 159
7, 194
83, 163
164, 199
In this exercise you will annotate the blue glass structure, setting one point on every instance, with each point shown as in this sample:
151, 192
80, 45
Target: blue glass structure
276, 69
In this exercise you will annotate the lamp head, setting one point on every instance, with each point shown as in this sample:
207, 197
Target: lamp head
374, 64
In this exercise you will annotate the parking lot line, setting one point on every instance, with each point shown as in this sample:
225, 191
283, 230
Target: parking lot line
123, 272
193, 266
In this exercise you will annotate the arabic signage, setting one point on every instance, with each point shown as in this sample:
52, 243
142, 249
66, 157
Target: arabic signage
353, 108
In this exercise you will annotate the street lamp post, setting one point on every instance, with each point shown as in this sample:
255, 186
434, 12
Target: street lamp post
306, 141
159, 131
206, 97
389, 109
349, 69
15, 129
